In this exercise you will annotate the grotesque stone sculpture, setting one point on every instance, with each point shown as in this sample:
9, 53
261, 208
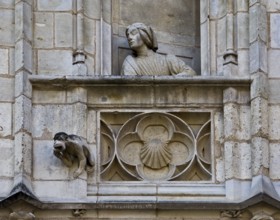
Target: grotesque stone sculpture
72, 147
145, 60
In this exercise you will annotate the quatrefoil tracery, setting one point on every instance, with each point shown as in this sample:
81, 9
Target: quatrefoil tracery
156, 147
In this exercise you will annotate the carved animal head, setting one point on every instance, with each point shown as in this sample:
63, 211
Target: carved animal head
59, 141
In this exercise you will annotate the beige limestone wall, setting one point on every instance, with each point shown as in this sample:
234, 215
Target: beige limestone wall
7, 74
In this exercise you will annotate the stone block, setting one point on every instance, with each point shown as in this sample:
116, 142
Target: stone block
244, 125
43, 30
242, 31
242, 161
209, 95
46, 166
6, 158
258, 23
205, 56
275, 30
219, 132
50, 119
7, 3
259, 117
274, 95
4, 61
220, 170
260, 154
60, 191
242, 5
11, 61
6, 110
23, 84
274, 167
6, 187
274, 122
23, 153
91, 127
176, 95
92, 9
228, 159
55, 62
63, 30
7, 27
54, 5
23, 21
89, 35
49, 96
273, 63
7, 89
204, 8
258, 57
106, 49
121, 96
91, 65
217, 8
259, 86
22, 114
231, 121
221, 36
23, 56
273, 5
243, 62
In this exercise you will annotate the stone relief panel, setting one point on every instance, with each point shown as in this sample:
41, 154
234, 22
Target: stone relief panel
156, 146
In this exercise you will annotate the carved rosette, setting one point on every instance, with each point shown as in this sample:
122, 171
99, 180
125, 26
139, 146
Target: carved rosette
156, 147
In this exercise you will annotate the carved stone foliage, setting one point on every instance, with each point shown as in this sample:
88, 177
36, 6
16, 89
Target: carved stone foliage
156, 147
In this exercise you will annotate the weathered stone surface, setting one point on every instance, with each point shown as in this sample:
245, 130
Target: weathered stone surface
23, 21
6, 158
274, 123
259, 122
273, 63
260, 154
63, 30
4, 62
7, 3
7, 27
6, 110
274, 162
23, 56
273, 5
54, 5
274, 96
89, 36
55, 62
275, 30
22, 114
92, 8
61, 191
46, 166
6, 89
43, 30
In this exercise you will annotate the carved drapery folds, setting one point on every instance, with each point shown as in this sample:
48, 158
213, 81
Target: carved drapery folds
156, 147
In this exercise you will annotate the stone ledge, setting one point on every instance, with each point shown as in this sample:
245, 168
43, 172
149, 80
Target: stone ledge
64, 81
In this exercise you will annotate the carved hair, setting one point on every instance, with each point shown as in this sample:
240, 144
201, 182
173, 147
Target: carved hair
147, 35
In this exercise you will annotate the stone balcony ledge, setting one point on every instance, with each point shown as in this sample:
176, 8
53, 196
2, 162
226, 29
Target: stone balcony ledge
70, 80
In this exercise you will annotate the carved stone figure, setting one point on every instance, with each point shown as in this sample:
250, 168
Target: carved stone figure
72, 147
145, 60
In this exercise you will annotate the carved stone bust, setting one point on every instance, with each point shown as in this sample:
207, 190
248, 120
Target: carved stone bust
146, 61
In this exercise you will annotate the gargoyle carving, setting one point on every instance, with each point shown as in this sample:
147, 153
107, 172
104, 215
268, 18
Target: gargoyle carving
69, 148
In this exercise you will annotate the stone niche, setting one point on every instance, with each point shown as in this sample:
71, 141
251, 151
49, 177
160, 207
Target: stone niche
177, 27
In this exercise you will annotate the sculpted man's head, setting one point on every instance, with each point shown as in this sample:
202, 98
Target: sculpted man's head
139, 34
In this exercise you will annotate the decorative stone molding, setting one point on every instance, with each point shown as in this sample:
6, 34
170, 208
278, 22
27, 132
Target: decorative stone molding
21, 215
69, 148
228, 214
262, 217
156, 147
78, 212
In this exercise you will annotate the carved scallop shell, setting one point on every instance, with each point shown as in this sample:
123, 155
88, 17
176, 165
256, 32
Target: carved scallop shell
155, 154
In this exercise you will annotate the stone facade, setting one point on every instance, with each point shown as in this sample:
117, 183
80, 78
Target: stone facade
201, 147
